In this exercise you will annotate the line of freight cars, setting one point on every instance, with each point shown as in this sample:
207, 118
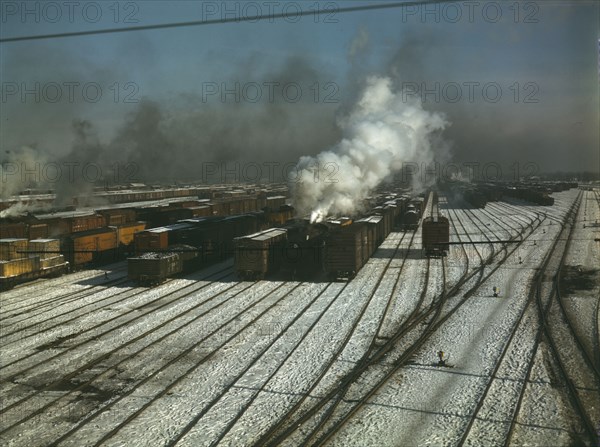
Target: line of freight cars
219, 203
537, 196
47, 198
23, 260
191, 243
166, 251
58, 224
534, 193
339, 248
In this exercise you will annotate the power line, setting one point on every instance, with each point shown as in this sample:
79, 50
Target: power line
286, 15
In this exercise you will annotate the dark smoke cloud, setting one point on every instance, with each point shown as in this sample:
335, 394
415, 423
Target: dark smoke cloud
169, 140
177, 139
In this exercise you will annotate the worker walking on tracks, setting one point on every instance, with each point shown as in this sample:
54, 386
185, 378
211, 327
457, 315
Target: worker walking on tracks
441, 362
106, 275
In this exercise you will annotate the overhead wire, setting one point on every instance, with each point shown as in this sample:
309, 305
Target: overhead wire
225, 20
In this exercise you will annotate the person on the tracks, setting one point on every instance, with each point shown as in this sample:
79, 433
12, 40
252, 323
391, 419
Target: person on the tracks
106, 275
441, 362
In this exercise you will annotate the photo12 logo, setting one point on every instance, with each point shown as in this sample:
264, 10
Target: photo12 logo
427, 173
471, 91
68, 172
291, 12
471, 11
68, 92
270, 91
68, 12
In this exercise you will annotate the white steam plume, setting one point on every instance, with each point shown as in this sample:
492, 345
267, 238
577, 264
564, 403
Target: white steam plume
383, 132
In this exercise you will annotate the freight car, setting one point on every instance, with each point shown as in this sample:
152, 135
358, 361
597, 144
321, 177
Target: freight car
125, 235
436, 236
87, 247
20, 229
10, 230
67, 222
530, 195
376, 227
22, 260
153, 268
539, 197
346, 250
259, 254
117, 216
435, 230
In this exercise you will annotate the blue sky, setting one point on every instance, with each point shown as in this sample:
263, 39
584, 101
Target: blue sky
549, 52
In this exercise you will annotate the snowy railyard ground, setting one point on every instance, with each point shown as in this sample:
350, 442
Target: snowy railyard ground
207, 359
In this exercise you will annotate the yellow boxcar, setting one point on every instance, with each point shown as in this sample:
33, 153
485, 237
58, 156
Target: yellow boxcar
127, 231
82, 248
17, 267
13, 249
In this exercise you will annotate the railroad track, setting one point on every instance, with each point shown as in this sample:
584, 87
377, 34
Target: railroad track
494, 374
323, 370
173, 361
121, 360
28, 289
137, 312
433, 325
368, 357
552, 263
20, 305
588, 357
528, 312
42, 321
43, 326
15, 375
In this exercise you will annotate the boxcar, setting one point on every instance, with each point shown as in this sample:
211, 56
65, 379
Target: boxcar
275, 202
371, 227
90, 246
259, 254
280, 216
118, 216
126, 232
435, 236
346, 251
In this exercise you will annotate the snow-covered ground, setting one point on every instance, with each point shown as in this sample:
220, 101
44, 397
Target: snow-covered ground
207, 357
